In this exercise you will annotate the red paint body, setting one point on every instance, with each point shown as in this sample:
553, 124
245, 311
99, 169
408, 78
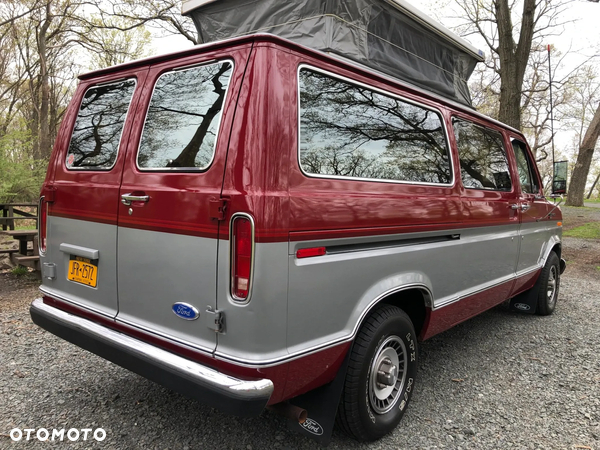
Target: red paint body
256, 169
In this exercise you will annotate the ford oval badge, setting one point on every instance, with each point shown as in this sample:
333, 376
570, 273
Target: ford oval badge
522, 306
185, 311
312, 426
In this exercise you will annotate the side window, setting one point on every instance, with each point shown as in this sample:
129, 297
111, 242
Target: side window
349, 130
183, 118
97, 134
527, 175
483, 163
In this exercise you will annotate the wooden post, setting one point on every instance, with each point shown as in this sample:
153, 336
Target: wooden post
11, 214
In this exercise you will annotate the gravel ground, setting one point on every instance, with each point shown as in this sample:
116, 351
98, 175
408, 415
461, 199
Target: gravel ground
499, 381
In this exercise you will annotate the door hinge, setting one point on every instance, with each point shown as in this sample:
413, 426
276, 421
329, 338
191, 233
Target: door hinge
49, 194
214, 320
217, 208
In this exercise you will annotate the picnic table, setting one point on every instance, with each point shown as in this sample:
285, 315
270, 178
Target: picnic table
7, 218
23, 236
24, 255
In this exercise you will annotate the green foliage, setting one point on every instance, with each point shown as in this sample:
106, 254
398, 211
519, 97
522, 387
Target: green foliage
19, 271
21, 176
589, 230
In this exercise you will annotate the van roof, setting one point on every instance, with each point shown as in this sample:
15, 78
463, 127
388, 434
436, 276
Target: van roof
253, 38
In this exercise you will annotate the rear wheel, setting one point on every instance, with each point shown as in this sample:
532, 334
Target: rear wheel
549, 286
380, 377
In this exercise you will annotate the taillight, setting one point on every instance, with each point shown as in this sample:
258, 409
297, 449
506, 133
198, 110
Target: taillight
42, 224
242, 252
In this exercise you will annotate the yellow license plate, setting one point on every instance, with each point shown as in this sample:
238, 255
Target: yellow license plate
83, 270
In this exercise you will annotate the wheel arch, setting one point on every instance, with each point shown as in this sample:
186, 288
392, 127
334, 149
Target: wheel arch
553, 244
415, 300
556, 248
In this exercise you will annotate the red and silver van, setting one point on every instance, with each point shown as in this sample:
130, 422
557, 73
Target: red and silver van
252, 221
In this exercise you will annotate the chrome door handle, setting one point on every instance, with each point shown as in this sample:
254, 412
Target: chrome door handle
525, 207
514, 206
126, 199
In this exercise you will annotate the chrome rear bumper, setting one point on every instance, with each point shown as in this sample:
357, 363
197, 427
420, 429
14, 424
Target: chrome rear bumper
226, 393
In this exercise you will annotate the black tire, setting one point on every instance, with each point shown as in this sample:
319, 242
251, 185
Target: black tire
549, 284
365, 412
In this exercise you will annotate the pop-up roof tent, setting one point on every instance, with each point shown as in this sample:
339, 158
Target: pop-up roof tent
388, 35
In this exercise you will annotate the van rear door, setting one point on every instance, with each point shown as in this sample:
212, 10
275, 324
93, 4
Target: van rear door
82, 211
172, 181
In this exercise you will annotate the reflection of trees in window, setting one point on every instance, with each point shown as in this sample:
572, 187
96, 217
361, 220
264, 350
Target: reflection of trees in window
349, 130
183, 116
97, 133
525, 169
483, 162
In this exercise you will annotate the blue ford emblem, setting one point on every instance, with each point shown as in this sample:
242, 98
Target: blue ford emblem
185, 311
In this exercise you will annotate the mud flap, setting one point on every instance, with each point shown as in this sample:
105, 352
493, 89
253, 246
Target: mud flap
321, 405
526, 302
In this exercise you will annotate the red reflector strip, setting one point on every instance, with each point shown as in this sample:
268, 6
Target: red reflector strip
310, 252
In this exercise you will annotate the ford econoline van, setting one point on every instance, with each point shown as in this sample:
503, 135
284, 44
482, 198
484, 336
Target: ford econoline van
251, 222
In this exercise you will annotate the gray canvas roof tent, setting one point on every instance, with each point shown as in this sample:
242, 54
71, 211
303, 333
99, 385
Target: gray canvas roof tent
388, 35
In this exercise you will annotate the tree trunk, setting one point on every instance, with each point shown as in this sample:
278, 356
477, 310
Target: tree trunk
513, 59
593, 186
576, 189
44, 133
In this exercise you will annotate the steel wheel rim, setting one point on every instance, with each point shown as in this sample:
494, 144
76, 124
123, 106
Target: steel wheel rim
551, 286
383, 397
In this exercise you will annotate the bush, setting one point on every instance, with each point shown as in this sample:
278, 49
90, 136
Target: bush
21, 176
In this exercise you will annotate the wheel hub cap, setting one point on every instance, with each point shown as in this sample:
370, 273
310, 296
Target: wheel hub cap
387, 374
551, 287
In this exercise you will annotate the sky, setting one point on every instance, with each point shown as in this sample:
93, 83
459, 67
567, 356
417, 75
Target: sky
578, 38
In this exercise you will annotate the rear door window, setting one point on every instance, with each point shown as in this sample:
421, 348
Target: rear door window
95, 141
183, 118
483, 163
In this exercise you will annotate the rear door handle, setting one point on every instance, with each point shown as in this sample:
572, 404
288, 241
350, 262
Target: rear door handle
524, 207
126, 199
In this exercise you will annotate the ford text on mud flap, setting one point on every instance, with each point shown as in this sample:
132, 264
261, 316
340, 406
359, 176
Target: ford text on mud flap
251, 221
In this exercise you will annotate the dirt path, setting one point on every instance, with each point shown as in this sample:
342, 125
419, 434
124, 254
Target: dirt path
575, 217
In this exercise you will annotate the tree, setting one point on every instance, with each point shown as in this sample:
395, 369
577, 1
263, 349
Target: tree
576, 189
125, 15
44, 44
510, 34
108, 45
